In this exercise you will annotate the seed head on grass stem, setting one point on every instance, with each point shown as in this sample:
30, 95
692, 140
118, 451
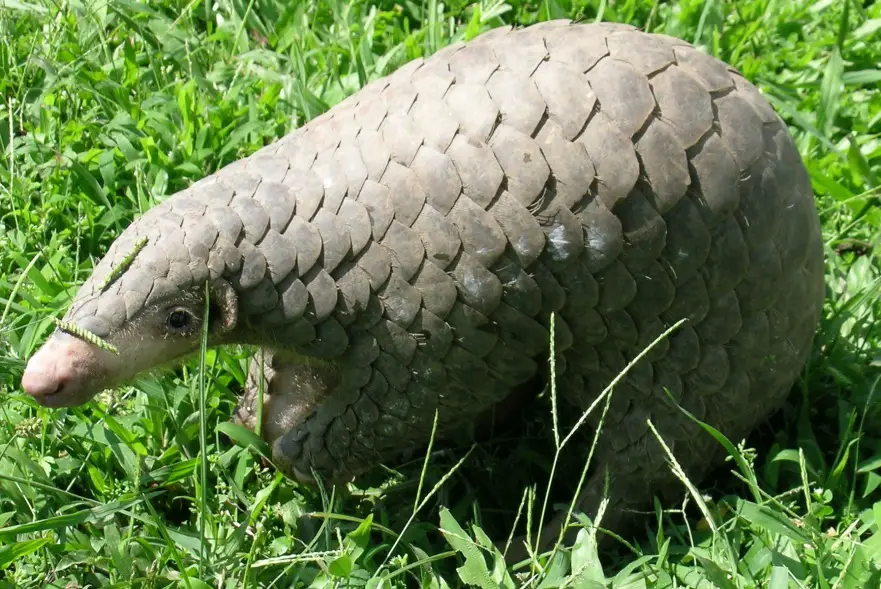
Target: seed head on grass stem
85, 335
120, 268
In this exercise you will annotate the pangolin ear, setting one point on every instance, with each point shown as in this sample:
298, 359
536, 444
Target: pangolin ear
224, 299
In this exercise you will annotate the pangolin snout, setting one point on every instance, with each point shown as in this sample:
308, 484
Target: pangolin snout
62, 372
39, 382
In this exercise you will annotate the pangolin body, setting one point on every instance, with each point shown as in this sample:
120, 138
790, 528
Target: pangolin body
403, 253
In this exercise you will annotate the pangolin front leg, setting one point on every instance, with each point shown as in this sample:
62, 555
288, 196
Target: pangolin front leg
292, 389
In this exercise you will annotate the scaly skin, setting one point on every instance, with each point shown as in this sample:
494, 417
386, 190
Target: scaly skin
410, 245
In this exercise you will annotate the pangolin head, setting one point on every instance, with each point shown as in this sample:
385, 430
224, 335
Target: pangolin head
147, 299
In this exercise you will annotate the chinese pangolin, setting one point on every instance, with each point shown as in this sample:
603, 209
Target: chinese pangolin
402, 255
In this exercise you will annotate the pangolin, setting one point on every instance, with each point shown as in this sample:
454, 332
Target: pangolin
401, 256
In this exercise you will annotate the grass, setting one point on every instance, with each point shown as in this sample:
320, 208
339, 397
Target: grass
109, 106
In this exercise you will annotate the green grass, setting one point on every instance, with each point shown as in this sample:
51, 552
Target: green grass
109, 106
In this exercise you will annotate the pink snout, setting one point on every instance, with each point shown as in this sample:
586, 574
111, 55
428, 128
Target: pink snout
62, 373
42, 381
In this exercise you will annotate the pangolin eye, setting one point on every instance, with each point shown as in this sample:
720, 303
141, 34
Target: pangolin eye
179, 321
